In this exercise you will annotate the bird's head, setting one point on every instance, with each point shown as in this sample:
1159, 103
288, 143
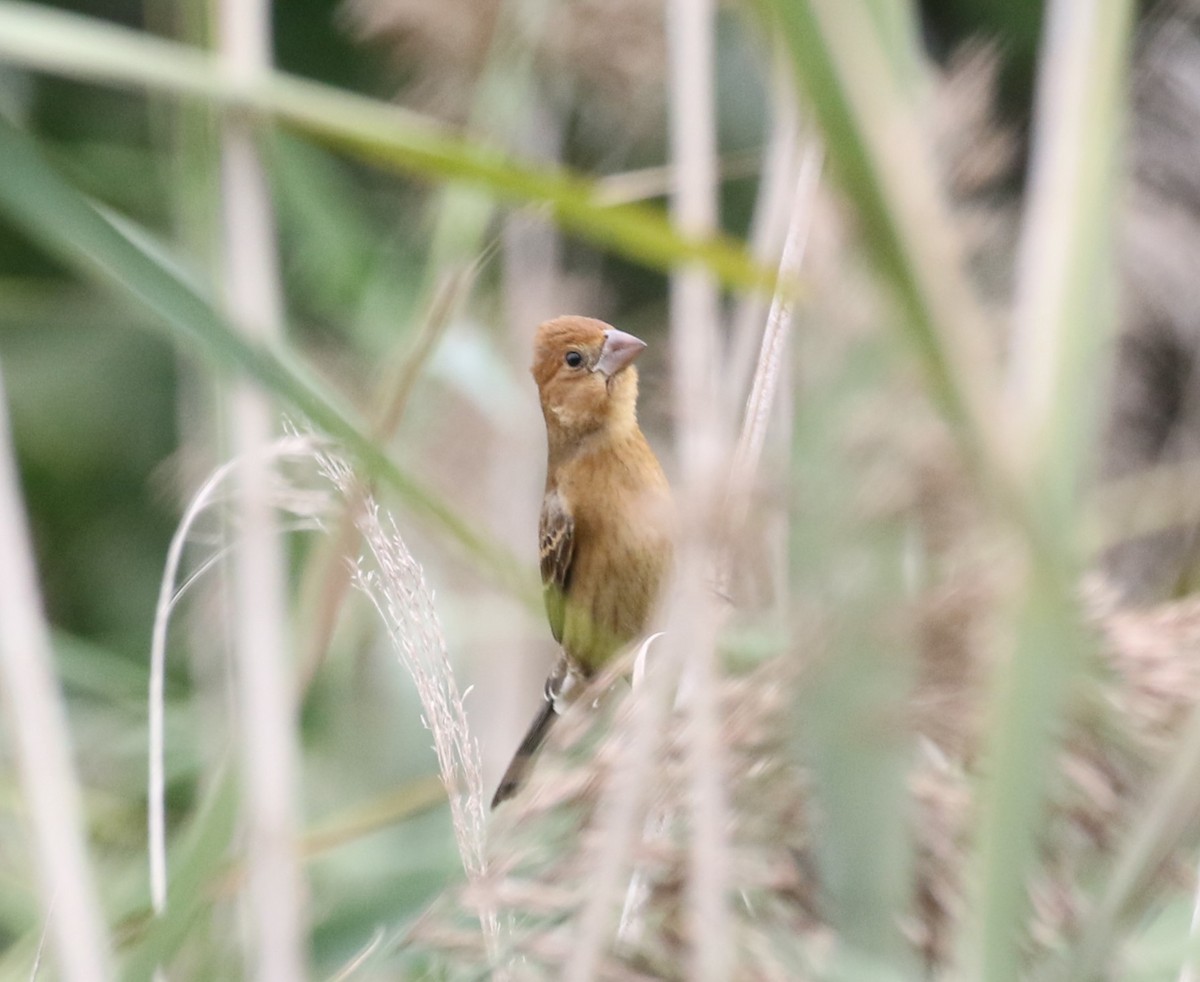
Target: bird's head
585, 376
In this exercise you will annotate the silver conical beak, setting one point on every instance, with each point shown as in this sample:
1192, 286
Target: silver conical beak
619, 351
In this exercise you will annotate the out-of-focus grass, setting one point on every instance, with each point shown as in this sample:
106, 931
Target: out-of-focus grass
375, 132
51, 209
359, 265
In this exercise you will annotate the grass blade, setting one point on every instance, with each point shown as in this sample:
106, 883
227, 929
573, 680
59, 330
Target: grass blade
41, 743
1062, 313
377, 132
41, 202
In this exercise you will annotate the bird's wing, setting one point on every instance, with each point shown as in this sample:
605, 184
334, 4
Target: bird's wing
556, 547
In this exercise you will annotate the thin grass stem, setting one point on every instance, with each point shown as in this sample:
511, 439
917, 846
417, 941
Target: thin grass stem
37, 722
263, 680
692, 620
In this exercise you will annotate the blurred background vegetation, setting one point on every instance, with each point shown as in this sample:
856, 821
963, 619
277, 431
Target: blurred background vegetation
413, 301
115, 423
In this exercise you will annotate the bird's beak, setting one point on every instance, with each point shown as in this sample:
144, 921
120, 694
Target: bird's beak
619, 351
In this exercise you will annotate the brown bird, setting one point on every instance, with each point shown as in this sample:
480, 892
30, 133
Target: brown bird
605, 538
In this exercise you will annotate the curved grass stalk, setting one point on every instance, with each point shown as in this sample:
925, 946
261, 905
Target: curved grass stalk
294, 448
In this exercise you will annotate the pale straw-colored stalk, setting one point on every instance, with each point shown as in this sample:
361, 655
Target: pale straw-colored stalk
360, 958
36, 968
771, 374
769, 228
692, 618
266, 706
1059, 234
622, 809
37, 724
295, 448
265, 690
644, 183
764, 386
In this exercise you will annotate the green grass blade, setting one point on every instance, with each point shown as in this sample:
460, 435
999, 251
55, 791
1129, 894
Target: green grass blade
861, 96
857, 87
1064, 313
1169, 820
849, 731
204, 849
50, 211
377, 132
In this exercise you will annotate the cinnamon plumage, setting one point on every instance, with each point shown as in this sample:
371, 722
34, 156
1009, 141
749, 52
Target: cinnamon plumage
604, 533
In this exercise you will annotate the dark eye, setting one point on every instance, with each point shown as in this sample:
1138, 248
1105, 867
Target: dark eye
573, 359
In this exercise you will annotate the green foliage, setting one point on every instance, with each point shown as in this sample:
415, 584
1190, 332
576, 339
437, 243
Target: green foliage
113, 334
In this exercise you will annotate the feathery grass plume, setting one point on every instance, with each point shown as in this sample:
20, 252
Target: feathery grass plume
393, 581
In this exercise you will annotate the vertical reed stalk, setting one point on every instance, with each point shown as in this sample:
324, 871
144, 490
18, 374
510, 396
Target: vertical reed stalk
41, 739
265, 689
692, 619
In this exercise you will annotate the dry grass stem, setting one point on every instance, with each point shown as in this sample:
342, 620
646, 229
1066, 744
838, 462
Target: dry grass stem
265, 690
1063, 181
628, 187
761, 403
351, 967
690, 616
769, 229
308, 507
765, 383
37, 724
267, 709
622, 808
695, 313
328, 577
36, 968
1188, 972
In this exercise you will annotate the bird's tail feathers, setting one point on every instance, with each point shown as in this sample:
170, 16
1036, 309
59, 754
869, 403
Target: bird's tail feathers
518, 770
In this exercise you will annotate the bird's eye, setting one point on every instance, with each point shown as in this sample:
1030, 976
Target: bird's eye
573, 359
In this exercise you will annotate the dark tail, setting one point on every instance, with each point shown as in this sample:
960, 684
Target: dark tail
514, 777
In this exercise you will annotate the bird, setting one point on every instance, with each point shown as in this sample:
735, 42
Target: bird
605, 538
